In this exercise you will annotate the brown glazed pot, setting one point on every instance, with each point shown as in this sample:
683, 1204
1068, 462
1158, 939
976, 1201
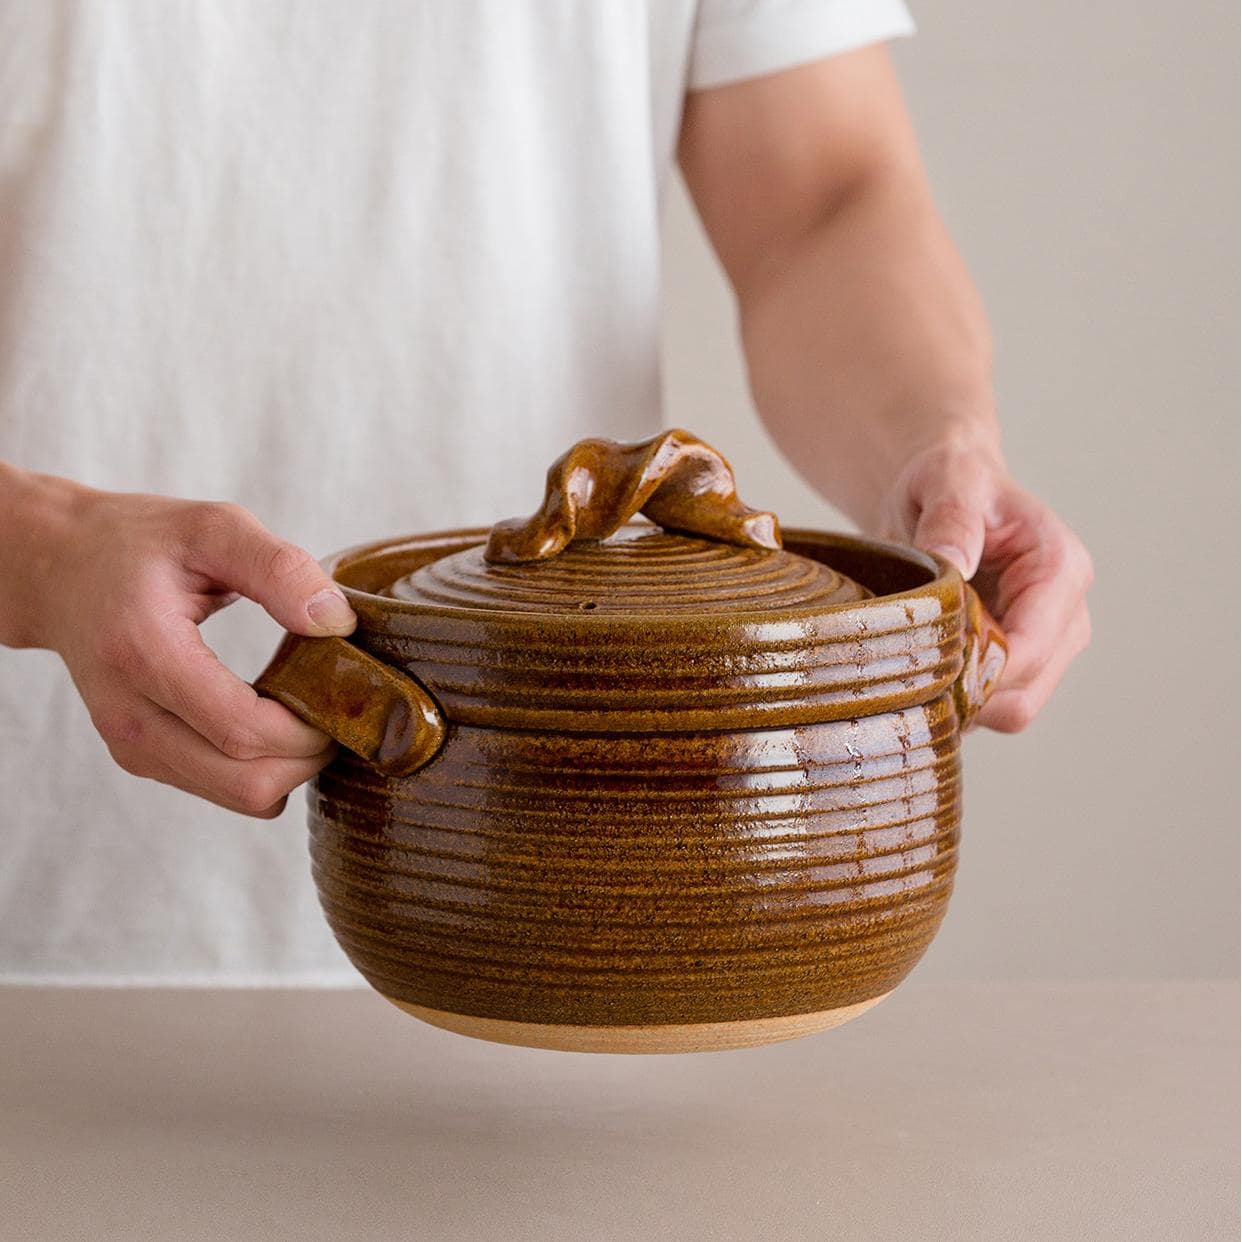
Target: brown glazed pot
612, 787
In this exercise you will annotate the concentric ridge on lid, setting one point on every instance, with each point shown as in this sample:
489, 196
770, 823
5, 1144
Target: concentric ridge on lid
643, 571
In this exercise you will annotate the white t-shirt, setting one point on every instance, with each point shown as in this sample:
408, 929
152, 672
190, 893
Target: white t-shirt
363, 268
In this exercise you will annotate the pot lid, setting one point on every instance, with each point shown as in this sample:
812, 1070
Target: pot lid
579, 554
576, 619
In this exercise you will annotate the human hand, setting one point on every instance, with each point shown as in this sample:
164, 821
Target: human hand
1029, 568
129, 580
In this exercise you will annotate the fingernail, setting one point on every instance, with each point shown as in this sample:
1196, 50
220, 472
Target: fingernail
955, 556
329, 610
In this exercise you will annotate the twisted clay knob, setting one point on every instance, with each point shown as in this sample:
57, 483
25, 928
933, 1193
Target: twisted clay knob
594, 489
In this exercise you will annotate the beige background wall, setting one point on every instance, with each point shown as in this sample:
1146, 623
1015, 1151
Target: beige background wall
1085, 158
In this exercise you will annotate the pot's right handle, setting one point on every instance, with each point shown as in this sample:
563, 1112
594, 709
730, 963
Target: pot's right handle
984, 652
367, 706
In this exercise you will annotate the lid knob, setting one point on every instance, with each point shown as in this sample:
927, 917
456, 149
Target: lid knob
675, 479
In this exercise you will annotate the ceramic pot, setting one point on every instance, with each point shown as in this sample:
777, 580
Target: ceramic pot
651, 787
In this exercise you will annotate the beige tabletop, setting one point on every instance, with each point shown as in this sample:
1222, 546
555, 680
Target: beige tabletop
972, 1111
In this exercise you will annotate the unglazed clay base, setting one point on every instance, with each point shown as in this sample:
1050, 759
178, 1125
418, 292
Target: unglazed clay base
693, 1037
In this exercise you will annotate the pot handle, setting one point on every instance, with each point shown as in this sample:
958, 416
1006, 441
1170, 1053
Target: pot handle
984, 652
383, 716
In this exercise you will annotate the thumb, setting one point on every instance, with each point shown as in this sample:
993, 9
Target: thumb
953, 528
235, 549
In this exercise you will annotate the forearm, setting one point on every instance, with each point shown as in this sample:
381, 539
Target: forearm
867, 343
37, 513
868, 350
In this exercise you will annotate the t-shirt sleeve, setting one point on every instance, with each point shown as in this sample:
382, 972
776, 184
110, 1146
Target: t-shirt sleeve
736, 39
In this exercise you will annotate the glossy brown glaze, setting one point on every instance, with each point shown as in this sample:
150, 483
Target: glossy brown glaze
606, 880
673, 670
681, 781
383, 716
679, 482
984, 653
641, 571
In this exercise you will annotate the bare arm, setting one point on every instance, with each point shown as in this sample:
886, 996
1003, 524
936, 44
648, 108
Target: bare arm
868, 348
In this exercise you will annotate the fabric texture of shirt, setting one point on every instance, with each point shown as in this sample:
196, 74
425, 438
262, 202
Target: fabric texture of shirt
365, 269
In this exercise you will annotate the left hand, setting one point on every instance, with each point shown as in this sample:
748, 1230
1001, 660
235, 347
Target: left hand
1029, 568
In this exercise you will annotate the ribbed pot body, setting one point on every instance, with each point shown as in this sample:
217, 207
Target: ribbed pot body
618, 879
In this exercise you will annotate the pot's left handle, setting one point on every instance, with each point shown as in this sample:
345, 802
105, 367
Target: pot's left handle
367, 706
984, 653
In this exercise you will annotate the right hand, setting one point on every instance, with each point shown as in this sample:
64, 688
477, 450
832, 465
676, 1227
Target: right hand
125, 594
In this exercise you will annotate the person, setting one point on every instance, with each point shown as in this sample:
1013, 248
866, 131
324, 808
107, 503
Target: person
361, 269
